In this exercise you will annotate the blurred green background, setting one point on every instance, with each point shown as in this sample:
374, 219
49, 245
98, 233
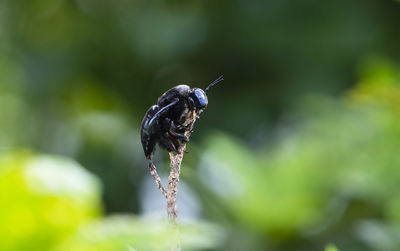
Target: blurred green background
297, 150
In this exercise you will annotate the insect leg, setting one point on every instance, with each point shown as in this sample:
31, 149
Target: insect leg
171, 128
168, 143
179, 136
174, 142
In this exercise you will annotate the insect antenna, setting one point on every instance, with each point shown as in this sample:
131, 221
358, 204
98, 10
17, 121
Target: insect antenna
219, 79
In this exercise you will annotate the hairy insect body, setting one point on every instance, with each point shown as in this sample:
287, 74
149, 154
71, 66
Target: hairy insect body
174, 114
166, 122
169, 124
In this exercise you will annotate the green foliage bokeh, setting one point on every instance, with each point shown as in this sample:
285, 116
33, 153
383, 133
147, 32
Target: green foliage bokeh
297, 149
44, 199
335, 175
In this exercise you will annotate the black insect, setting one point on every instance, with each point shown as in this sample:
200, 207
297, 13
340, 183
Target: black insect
174, 114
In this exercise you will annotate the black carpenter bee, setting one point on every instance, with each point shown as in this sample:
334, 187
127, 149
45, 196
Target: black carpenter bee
174, 114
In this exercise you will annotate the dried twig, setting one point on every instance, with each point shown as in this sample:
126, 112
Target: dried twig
173, 179
153, 172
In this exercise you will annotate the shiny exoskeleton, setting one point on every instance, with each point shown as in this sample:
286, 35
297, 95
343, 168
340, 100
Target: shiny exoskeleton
167, 122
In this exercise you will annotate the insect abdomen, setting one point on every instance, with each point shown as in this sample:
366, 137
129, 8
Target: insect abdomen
148, 141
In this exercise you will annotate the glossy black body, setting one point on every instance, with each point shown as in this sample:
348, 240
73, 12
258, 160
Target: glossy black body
166, 122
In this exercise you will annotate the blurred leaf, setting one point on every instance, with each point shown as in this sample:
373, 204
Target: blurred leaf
342, 152
378, 235
43, 200
331, 247
123, 232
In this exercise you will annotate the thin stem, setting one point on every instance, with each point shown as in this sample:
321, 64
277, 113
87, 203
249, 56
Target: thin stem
153, 172
173, 180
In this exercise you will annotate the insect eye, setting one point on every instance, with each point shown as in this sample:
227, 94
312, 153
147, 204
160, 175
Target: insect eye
201, 98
